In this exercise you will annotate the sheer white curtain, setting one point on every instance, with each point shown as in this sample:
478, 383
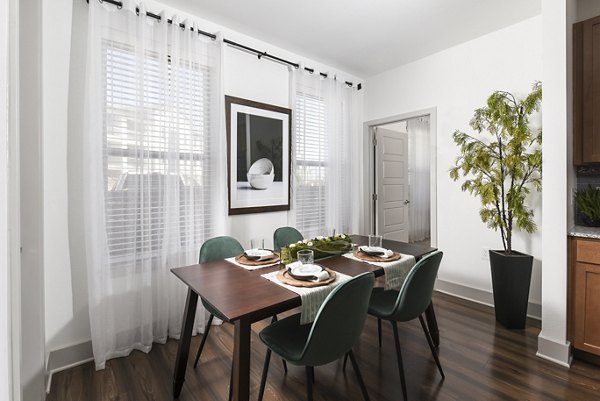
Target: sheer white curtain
419, 213
153, 172
327, 160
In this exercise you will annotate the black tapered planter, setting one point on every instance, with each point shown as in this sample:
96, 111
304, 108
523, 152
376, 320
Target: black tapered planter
511, 277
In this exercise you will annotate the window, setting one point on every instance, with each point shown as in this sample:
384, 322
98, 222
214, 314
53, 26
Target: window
310, 170
156, 153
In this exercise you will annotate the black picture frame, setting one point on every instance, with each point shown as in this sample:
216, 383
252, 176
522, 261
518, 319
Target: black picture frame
259, 139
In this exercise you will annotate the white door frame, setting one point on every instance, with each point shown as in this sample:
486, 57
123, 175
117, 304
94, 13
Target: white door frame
5, 266
369, 174
10, 236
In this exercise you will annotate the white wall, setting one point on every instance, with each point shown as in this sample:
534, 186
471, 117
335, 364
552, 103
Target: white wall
244, 76
587, 9
456, 81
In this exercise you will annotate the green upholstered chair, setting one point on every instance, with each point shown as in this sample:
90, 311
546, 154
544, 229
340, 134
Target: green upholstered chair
409, 303
284, 236
336, 328
218, 248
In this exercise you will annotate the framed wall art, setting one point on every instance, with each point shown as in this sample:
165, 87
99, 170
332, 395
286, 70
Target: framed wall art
258, 149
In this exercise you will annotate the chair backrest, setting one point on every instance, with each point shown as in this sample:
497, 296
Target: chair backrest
284, 236
219, 248
415, 295
339, 322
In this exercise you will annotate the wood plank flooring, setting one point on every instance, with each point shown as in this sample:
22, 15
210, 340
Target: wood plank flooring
482, 361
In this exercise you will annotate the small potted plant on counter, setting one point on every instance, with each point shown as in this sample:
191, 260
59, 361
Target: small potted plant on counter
501, 170
588, 204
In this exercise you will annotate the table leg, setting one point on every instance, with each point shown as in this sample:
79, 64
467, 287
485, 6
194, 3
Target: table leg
183, 349
241, 360
432, 325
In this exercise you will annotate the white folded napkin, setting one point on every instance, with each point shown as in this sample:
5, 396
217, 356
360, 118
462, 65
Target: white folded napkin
388, 253
324, 275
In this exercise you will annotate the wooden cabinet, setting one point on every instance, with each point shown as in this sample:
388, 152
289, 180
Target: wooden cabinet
584, 294
586, 92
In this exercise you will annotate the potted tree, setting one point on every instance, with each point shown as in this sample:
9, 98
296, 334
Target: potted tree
500, 166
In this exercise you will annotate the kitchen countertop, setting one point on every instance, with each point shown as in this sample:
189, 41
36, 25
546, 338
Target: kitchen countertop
585, 232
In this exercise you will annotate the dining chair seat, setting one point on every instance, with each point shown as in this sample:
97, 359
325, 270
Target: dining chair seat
287, 338
382, 302
333, 333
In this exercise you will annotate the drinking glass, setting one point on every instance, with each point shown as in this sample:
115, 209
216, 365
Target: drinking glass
375, 241
257, 243
306, 256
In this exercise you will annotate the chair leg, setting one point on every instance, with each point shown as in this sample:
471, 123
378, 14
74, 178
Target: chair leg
345, 361
399, 357
363, 389
263, 379
230, 397
273, 320
431, 346
208, 324
379, 331
310, 379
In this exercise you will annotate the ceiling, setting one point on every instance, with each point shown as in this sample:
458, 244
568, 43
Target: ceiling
363, 37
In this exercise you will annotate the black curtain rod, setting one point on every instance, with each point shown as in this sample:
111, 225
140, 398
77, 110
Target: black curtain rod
260, 54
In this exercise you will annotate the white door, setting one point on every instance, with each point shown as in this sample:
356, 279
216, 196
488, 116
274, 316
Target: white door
391, 159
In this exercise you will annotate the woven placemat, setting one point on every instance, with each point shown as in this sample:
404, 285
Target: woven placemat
285, 278
368, 258
245, 261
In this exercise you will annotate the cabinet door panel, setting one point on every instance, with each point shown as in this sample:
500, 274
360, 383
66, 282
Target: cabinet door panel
587, 307
591, 91
588, 251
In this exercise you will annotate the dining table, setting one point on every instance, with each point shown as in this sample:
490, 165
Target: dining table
244, 297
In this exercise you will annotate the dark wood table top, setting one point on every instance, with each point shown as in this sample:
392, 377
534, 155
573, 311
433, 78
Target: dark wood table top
242, 294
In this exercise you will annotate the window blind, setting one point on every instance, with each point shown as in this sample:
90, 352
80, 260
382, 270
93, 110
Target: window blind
311, 169
156, 153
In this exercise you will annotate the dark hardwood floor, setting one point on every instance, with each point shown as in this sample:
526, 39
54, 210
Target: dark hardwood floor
482, 361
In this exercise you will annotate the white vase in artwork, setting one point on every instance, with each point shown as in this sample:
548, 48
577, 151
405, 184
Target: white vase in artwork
261, 174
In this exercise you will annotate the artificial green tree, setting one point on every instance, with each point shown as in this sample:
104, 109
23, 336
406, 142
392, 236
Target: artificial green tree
504, 161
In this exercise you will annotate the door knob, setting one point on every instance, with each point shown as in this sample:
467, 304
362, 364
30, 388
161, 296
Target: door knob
406, 202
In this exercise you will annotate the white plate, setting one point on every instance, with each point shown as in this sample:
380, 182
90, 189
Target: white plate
372, 249
259, 253
306, 270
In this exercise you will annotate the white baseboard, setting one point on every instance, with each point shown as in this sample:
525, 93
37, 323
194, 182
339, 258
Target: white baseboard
66, 358
480, 296
554, 351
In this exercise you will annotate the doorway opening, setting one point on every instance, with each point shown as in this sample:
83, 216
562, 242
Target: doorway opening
402, 169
